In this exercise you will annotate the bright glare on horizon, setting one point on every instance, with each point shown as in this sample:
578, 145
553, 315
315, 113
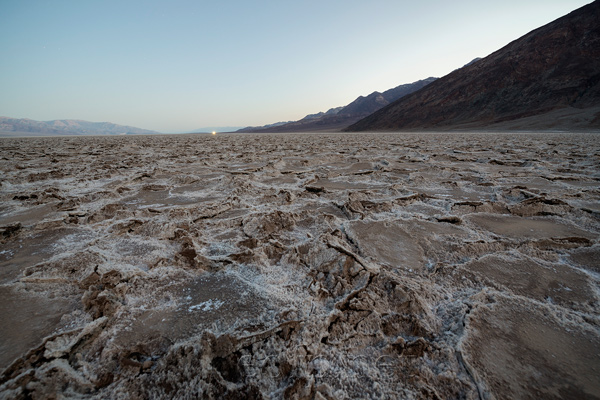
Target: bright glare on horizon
143, 63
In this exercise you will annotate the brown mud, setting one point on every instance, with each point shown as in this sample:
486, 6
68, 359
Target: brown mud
328, 266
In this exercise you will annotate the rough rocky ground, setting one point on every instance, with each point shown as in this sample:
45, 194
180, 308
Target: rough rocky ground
300, 266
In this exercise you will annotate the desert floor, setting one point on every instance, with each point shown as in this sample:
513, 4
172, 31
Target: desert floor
301, 266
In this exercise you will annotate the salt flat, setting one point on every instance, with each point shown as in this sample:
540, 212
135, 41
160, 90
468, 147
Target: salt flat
301, 266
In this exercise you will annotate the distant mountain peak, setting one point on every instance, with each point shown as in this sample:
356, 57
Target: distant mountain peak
337, 118
26, 126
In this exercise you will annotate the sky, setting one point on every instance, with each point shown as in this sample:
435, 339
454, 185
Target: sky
176, 66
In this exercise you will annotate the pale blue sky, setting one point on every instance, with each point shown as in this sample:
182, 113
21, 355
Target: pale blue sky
180, 65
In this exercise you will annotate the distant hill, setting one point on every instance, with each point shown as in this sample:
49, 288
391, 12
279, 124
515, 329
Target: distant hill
217, 129
335, 119
547, 79
29, 127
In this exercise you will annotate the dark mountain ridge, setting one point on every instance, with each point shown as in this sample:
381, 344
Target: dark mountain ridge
337, 118
547, 79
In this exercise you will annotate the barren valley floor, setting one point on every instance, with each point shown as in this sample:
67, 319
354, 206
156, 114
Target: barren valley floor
331, 266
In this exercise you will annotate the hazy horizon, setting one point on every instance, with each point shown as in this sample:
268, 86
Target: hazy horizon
185, 65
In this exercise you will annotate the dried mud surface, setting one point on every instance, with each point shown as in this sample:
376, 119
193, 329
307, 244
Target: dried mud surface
329, 266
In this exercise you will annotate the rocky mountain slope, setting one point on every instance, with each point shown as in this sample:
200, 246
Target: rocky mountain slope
340, 117
547, 79
16, 126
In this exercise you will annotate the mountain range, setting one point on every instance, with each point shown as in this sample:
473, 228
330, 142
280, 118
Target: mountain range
547, 79
29, 127
338, 118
